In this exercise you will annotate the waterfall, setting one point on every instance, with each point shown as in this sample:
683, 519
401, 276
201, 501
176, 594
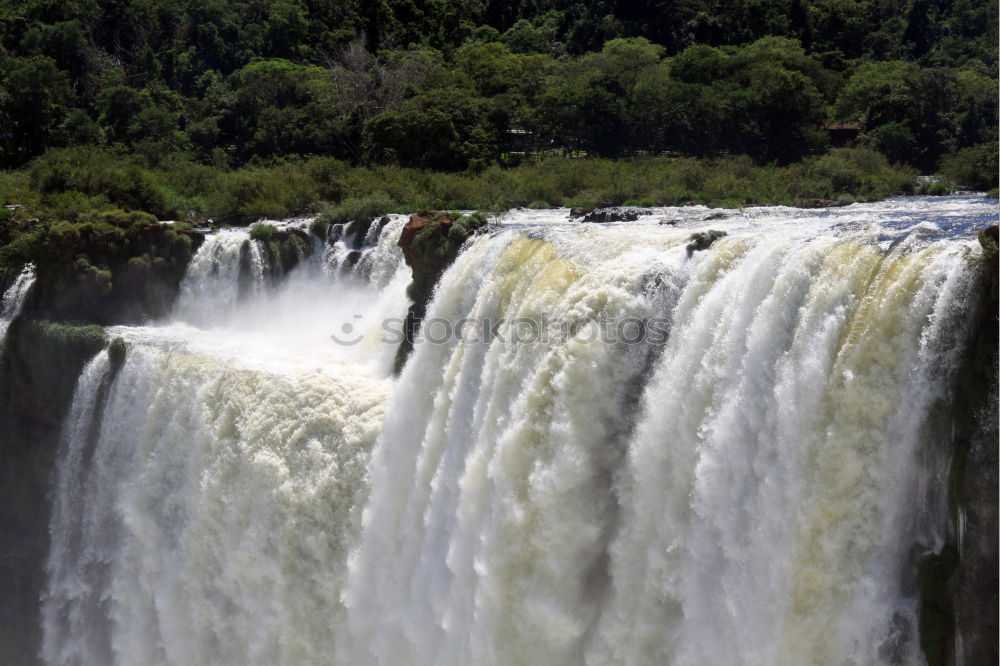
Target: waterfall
204, 519
209, 484
211, 287
14, 298
371, 254
607, 447
761, 509
770, 495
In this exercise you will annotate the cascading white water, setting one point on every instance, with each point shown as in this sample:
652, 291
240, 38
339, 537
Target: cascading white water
211, 287
490, 515
204, 487
14, 298
770, 494
762, 511
200, 520
372, 254
632, 454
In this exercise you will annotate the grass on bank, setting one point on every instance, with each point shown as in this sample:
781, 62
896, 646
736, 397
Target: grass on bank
74, 183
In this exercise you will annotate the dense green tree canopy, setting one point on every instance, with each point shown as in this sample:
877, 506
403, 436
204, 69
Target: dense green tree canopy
450, 84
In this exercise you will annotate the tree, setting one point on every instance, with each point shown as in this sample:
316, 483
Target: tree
65, 42
916, 115
284, 108
368, 85
35, 98
974, 167
876, 93
444, 129
492, 68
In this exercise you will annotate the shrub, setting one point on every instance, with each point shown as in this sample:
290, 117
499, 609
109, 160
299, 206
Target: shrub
251, 194
357, 209
95, 173
123, 219
938, 189
973, 168
262, 232
319, 227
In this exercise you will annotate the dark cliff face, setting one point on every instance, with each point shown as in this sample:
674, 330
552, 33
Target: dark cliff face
958, 584
974, 483
38, 374
116, 268
430, 242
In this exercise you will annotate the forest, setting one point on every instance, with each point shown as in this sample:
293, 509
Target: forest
471, 85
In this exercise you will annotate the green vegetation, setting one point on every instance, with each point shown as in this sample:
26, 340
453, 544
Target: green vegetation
938, 189
262, 232
101, 258
451, 86
105, 266
358, 209
342, 193
970, 167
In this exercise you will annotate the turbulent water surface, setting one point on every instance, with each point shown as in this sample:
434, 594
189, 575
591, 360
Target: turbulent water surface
630, 453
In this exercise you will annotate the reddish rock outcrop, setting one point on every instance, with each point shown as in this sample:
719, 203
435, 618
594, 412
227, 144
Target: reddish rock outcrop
430, 240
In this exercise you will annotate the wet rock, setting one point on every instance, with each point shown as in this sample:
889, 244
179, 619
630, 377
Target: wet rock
287, 233
40, 368
718, 215
117, 350
430, 240
578, 211
355, 232
703, 240
958, 579
353, 257
989, 238
602, 215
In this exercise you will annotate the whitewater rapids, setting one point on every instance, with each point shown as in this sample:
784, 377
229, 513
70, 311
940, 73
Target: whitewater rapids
732, 458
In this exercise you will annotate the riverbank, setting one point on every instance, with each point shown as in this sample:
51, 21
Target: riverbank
72, 184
